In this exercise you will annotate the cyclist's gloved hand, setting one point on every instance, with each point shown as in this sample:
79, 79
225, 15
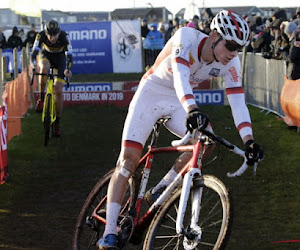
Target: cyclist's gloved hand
253, 152
196, 120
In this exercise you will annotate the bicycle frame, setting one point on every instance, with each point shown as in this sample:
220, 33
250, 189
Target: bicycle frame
192, 168
52, 104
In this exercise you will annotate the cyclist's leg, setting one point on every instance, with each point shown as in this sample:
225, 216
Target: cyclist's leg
44, 66
59, 98
137, 127
58, 61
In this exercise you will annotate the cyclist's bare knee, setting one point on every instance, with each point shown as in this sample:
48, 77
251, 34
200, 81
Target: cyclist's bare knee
128, 162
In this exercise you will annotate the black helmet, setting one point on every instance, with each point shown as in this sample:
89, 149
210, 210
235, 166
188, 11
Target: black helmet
52, 27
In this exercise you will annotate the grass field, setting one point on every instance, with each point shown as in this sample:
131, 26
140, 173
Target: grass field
48, 185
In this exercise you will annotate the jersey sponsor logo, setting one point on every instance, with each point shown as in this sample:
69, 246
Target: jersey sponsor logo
191, 59
214, 72
234, 74
209, 97
87, 34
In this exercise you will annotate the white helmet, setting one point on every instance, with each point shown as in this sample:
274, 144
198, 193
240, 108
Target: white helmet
231, 27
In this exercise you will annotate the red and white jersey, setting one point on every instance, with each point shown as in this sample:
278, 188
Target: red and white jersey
179, 66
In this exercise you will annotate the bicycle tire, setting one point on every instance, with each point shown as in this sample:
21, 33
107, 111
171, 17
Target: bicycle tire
162, 231
47, 120
85, 236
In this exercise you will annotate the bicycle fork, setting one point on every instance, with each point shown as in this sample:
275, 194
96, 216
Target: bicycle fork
192, 233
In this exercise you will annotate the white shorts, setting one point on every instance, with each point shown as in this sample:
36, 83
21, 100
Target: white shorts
151, 102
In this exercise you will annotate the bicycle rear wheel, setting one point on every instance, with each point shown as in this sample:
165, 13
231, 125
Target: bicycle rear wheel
214, 220
47, 119
88, 229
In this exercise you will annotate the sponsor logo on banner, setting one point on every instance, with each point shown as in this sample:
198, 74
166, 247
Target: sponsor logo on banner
209, 97
89, 87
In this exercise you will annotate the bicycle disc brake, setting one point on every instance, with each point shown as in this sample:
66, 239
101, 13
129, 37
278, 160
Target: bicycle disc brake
192, 237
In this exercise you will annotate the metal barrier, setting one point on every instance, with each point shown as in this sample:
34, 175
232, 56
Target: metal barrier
264, 79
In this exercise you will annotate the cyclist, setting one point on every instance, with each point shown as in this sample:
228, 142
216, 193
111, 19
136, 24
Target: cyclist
187, 59
53, 48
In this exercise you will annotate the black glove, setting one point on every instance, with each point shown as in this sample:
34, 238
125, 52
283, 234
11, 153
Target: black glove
253, 152
196, 120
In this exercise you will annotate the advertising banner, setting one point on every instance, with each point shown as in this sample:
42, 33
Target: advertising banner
126, 46
116, 98
91, 42
105, 47
3, 147
81, 87
209, 97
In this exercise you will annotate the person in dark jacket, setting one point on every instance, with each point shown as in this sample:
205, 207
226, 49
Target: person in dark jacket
2, 39
293, 58
14, 41
144, 28
30, 36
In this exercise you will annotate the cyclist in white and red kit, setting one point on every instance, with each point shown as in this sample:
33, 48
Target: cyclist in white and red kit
188, 58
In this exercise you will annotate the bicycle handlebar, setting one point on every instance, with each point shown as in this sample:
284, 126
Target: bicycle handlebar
48, 74
221, 140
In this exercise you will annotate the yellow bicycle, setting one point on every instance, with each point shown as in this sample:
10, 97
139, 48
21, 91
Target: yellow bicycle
49, 111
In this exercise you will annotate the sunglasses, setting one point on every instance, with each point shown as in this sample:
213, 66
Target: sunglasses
232, 46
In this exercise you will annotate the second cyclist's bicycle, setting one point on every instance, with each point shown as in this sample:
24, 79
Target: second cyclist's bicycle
49, 110
193, 212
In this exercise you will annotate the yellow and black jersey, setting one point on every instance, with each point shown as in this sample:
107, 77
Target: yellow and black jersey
45, 48
43, 43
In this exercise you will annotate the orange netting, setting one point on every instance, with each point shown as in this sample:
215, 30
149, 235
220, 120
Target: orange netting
18, 102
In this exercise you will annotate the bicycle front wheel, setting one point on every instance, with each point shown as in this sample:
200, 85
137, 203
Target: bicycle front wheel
88, 229
213, 223
47, 119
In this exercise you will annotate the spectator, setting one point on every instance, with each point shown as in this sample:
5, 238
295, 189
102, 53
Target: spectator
153, 44
2, 39
276, 40
293, 57
14, 41
183, 23
144, 28
263, 41
281, 42
169, 31
22, 36
196, 20
251, 20
30, 37
161, 28
154, 39
279, 14
175, 25
208, 15
289, 30
191, 24
297, 20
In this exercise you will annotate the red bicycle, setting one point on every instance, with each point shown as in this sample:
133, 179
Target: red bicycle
193, 211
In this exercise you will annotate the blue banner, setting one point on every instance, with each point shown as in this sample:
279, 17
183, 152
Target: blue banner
209, 97
91, 42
